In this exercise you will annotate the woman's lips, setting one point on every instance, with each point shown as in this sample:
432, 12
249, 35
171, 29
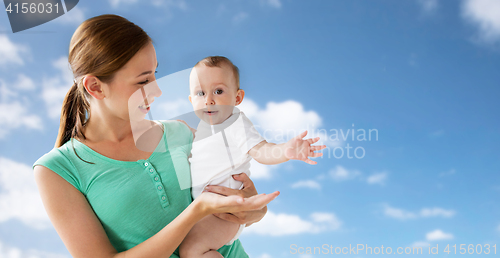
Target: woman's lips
144, 108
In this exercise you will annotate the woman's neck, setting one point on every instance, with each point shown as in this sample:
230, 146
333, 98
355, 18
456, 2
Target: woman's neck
106, 128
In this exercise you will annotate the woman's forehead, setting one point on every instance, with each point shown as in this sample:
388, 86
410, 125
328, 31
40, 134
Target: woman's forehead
142, 61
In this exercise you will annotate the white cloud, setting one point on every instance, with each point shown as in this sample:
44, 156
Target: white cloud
378, 178
14, 252
436, 212
10, 91
278, 122
272, 3
498, 228
10, 52
398, 213
281, 224
74, 17
260, 171
424, 213
6, 94
19, 198
239, 17
55, 88
428, 6
340, 173
265, 255
250, 108
15, 115
312, 184
24, 83
484, 14
437, 235
14, 111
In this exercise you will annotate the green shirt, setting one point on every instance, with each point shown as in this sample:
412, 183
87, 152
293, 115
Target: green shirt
133, 199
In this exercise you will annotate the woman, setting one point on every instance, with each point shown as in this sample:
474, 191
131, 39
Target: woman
106, 196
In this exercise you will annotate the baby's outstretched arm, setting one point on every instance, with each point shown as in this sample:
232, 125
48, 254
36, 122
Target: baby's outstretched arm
296, 148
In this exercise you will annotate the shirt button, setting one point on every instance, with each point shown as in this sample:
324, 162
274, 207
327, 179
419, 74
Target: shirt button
156, 178
163, 198
151, 171
146, 164
159, 187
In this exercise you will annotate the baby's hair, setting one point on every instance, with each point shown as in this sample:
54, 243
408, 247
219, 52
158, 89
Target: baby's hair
218, 61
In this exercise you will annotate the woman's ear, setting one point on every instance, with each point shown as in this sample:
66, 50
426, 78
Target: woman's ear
239, 96
93, 86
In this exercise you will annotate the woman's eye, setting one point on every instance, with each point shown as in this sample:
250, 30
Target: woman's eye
218, 91
144, 82
200, 93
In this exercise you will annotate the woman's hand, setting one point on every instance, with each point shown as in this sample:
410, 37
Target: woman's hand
248, 191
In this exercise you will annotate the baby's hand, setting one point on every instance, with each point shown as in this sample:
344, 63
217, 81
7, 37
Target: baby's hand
297, 148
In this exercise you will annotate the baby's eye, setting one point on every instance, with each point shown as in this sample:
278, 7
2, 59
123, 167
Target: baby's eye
218, 92
200, 93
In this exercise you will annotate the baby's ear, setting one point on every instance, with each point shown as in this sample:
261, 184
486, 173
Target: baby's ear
190, 98
239, 96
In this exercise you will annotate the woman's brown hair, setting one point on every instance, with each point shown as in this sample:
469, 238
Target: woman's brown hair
100, 46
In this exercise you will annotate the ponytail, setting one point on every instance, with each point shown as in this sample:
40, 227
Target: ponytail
73, 115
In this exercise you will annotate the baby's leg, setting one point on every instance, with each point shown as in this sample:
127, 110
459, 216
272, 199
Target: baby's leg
208, 235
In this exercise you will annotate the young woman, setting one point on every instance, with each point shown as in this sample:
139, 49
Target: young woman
107, 197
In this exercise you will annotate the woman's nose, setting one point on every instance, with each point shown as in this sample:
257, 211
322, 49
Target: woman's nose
151, 91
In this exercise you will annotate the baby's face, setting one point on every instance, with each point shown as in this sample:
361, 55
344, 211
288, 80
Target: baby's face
213, 93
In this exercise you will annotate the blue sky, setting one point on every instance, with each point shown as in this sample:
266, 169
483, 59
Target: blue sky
423, 74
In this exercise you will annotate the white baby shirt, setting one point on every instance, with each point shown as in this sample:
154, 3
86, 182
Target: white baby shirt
221, 150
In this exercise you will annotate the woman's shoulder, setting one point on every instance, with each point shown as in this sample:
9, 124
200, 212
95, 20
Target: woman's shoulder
56, 155
59, 160
177, 132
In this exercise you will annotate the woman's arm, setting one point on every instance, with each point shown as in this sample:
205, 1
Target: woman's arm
84, 236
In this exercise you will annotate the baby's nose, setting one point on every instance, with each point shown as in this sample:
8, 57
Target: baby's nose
209, 100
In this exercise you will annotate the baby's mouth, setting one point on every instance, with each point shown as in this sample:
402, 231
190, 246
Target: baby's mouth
210, 113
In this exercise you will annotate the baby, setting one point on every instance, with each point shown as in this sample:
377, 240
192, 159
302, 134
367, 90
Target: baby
225, 142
